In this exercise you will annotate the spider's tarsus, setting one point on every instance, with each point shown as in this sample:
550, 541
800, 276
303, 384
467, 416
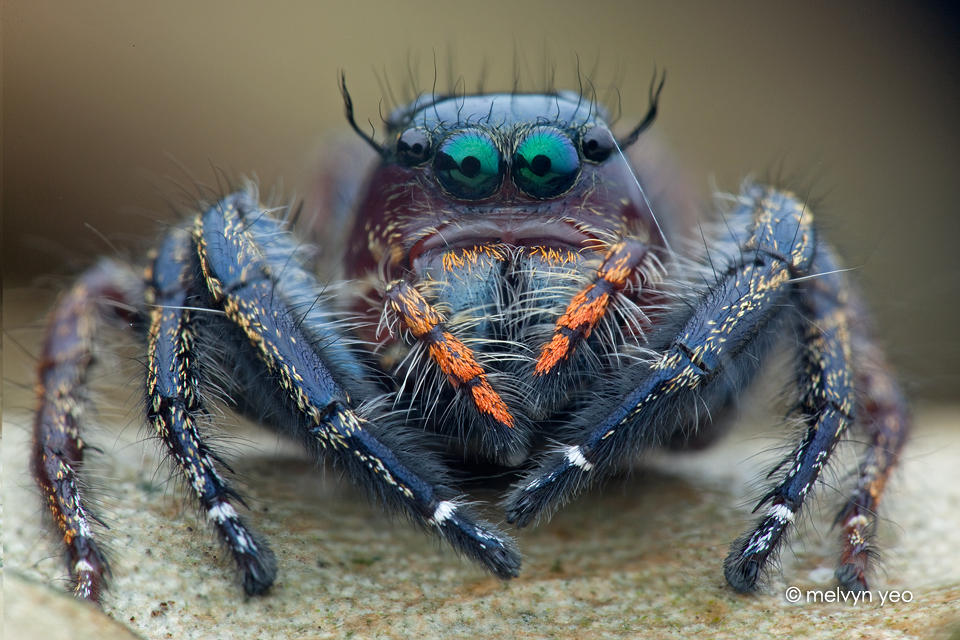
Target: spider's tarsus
259, 570
483, 543
521, 510
750, 554
541, 492
850, 578
91, 572
742, 571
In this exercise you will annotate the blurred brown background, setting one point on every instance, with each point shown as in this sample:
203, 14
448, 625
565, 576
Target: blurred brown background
102, 101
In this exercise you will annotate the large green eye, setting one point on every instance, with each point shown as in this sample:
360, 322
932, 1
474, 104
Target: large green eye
468, 165
545, 163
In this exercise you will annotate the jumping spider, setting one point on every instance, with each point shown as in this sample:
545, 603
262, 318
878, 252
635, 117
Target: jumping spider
534, 309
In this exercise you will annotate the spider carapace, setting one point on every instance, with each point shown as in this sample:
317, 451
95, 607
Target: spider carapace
532, 307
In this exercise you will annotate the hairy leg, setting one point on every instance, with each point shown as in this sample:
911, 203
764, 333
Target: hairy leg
826, 405
320, 410
174, 407
714, 348
107, 290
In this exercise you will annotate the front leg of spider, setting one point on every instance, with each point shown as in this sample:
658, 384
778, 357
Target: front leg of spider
626, 260
410, 481
716, 349
459, 365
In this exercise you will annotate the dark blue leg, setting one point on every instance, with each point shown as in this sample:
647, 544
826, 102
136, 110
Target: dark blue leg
243, 283
715, 348
174, 407
826, 404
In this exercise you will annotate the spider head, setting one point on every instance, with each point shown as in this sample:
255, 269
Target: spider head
538, 171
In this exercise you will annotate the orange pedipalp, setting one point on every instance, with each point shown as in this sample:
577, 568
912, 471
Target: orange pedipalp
451, 355
588, 306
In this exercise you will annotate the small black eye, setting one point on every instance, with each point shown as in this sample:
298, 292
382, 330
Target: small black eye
413, 147
597, 143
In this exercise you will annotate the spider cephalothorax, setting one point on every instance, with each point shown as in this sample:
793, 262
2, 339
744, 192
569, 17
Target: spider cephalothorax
524, 169
490, 211
534, 310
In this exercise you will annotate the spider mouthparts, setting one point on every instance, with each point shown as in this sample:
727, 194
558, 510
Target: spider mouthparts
556, 234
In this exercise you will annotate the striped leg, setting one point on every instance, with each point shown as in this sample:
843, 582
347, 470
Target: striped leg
106, 290
625, 260
459, 365
240, 281
174, 406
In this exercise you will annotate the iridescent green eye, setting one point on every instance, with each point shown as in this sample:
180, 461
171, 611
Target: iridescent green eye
468, 165
545, 163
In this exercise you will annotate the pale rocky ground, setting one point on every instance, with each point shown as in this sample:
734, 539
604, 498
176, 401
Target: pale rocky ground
641, 558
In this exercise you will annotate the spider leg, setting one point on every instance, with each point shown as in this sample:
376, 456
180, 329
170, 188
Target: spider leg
241, 282
827, 405
450, 314
623, 261
882, 413
707, 352
174, 407
106, 290
458, 363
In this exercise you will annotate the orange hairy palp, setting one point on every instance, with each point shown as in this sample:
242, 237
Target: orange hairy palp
588, 307
454, 358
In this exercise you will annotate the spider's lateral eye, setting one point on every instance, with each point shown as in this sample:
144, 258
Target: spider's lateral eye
468, 165
597, 144
545, 163
413, 147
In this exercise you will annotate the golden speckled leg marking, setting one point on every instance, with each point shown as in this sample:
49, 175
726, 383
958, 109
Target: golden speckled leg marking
239, 279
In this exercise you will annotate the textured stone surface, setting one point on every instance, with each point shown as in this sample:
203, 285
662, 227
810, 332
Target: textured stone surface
34, 610
641, 557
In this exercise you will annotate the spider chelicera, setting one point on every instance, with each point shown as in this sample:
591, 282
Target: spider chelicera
532, 309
